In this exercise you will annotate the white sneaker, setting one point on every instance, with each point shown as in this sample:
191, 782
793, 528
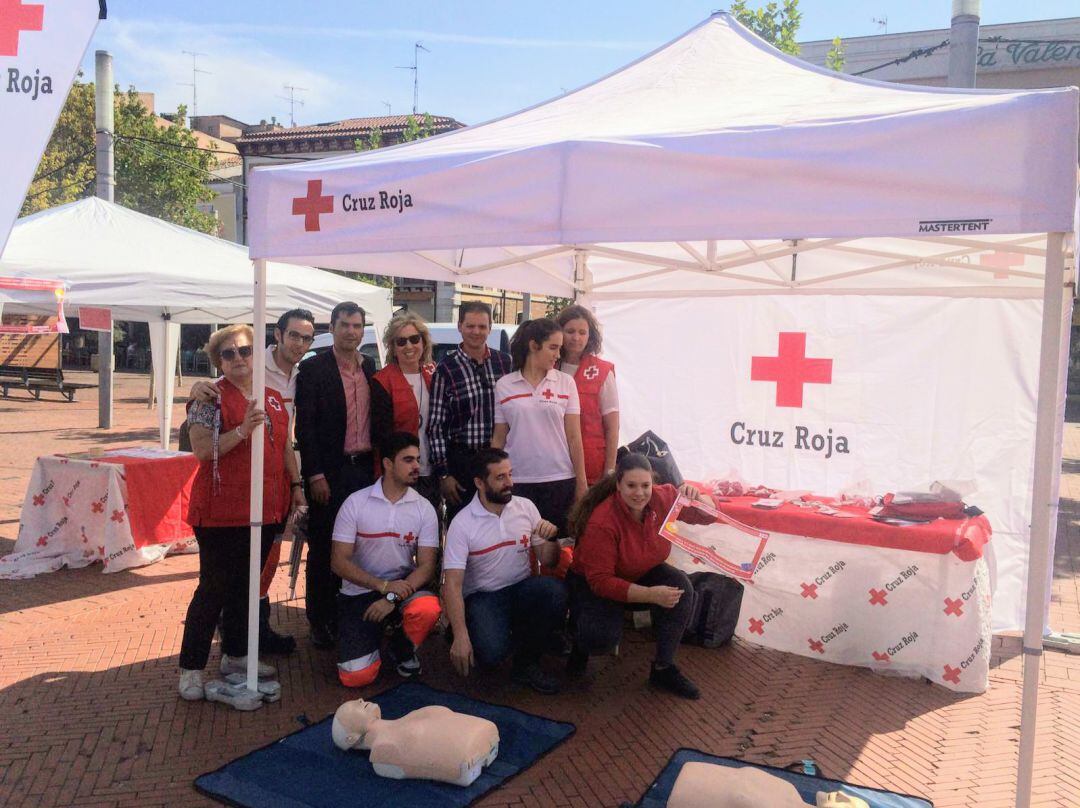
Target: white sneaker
409, 668
191, 685
239, 665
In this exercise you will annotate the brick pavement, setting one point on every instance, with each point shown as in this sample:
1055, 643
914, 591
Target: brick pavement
89, 714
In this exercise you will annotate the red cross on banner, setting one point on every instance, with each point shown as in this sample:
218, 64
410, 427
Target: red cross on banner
313, 205
809, 590
790, 369
951, 674
880, 657
817, 645
877, 597
955, 607
15, 17
756, 626
1001, 260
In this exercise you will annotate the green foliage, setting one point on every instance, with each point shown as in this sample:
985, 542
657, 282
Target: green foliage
158, 168
415, 129
773, 23
374, 140
556, 304
834, 59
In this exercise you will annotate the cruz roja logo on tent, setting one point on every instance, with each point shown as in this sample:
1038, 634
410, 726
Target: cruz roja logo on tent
17, 18
791, 369
315, 203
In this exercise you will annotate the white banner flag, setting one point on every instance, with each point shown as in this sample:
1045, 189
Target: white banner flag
41, 46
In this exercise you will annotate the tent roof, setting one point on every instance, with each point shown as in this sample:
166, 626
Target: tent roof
715, 137
144, 268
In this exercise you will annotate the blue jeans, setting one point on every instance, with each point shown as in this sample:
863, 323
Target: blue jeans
519, 618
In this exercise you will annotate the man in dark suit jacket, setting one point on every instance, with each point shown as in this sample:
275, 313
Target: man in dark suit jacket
333, 429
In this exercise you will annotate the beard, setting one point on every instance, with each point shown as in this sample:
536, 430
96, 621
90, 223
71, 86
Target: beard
500, 497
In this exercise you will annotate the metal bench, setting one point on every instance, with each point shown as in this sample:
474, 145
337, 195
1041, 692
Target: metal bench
35, 380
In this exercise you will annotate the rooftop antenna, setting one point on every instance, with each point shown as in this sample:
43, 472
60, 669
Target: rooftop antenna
882, 23
388, 107
293, 101
195, 71
414, 67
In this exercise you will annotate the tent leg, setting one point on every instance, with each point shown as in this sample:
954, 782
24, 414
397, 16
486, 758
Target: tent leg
258, 392
1042, 508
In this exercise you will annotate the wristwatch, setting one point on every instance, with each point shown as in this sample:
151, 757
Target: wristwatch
393, 597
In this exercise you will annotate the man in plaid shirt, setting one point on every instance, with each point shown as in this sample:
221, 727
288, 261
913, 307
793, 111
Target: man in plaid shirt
462, 412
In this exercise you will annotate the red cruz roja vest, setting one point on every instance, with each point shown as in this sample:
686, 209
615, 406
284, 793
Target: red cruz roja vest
230, 504
590, 377
402, 400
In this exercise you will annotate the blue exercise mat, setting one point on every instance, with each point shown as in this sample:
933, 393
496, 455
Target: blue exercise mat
656, 796
306, 769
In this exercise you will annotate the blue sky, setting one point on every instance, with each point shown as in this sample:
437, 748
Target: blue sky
487, 58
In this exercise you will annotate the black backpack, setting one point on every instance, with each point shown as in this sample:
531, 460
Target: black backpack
717, 600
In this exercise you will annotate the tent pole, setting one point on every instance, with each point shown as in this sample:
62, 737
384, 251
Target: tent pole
258, 392
1042, 502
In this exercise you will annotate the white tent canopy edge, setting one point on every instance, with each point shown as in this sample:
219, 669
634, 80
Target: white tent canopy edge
717, 166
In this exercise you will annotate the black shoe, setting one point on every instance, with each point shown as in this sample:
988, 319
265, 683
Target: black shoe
322, 637
577, 662
269, 640
672, 680
532, 675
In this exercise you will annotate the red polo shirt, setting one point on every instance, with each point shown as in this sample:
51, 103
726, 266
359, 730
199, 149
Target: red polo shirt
616, 549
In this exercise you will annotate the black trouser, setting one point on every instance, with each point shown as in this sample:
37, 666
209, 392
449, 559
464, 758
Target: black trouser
459, 464
222, 591
597, 622
553, 499
322, 584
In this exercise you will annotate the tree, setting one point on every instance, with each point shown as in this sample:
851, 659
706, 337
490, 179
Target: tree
374, 140
160, 169
774, 24
416, 129
834, 59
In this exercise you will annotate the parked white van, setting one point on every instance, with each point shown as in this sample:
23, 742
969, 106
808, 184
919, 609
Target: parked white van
444, 338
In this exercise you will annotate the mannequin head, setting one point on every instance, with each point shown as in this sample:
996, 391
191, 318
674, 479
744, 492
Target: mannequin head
352, 721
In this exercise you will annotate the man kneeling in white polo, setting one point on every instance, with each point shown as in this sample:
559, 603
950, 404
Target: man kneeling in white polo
495, 605
377, 532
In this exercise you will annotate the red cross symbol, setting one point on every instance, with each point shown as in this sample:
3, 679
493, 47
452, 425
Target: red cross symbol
15, 17
548, 394
1001, 260
877, 597
408, 537
809, 590
951, 674
817, 645
101, 550
880, 657
97, 507
524, 540
954, 607
591, 372
312, 205
790, 369
117, 516
39, 500
42, 541
757, 626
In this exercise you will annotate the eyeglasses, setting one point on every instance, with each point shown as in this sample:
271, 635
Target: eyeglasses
229, 354
296, 336
414, 339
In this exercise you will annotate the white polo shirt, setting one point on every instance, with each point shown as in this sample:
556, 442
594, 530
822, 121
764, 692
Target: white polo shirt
276, 378
493, 550
537, 439
384, 534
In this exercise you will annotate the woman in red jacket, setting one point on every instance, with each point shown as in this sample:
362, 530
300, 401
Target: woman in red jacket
220, 508
401, 394
619, 560
595, 379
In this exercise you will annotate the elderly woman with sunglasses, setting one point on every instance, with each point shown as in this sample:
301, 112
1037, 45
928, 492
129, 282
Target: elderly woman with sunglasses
221, 433
401, 393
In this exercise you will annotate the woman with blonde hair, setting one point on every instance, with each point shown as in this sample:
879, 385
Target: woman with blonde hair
221, 431
401, 393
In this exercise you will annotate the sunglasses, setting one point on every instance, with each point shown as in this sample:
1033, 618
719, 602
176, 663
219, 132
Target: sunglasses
401, 342
229, 354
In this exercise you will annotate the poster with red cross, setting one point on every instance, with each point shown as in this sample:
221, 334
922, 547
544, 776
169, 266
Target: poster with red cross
41, 46
838, 394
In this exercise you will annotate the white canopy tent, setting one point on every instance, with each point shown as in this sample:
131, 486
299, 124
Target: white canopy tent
148, 270
717, 168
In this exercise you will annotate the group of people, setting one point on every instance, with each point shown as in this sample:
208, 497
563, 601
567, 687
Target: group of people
485, 459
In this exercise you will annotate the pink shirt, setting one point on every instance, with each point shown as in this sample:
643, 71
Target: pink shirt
357, 407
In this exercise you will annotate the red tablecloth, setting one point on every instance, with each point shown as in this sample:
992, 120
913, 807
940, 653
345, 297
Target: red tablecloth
159, 492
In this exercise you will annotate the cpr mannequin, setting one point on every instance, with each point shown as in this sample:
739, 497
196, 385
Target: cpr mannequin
838, 799
707, 785
432, 743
